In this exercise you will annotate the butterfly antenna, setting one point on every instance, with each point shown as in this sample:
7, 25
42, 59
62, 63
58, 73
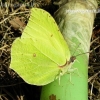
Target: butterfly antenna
72, 58
76, 49
86, 52
83, 53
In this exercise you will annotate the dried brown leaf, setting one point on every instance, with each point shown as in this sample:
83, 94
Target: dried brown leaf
17, 23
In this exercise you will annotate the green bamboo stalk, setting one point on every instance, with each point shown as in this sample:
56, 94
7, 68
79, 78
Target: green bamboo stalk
75, 20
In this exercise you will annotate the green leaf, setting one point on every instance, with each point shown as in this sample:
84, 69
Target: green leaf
41, 54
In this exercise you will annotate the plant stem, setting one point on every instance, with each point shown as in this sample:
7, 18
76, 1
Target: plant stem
75, 20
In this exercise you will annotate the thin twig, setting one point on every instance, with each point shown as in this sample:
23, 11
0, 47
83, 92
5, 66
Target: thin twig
14, 13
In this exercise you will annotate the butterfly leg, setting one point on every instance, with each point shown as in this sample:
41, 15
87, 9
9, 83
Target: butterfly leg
70, 71
70, 79
73, 71
58, 76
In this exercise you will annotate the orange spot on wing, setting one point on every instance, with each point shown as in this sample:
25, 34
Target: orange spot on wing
51, 35
34, 54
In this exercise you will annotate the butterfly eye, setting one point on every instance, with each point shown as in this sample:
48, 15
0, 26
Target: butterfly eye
72, 59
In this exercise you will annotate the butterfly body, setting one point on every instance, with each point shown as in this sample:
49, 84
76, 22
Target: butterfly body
42, 52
